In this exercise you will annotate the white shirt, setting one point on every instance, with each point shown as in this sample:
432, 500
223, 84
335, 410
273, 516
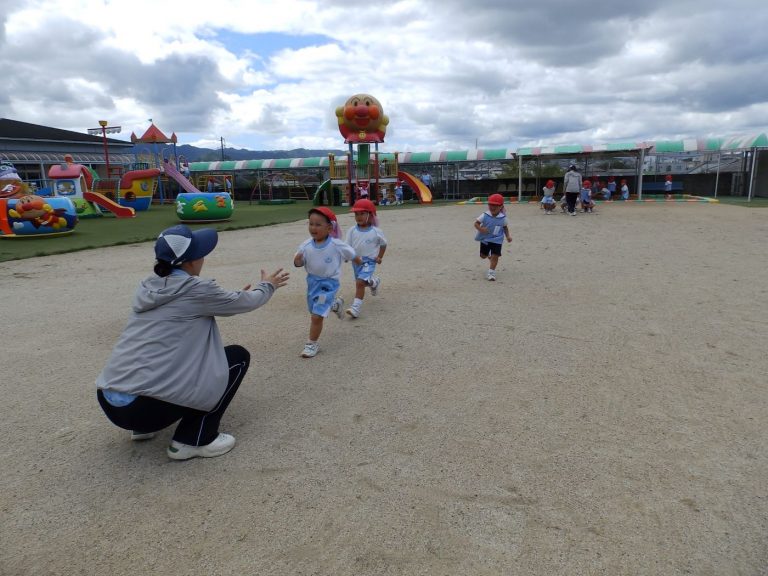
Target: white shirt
325, 259
366, 241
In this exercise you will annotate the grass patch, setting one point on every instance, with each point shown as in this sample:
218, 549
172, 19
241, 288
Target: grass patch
110, 231
742, 201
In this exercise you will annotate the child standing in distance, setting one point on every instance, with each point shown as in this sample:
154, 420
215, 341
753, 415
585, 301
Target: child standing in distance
322, 255
369, 244
398, 192
548, 200
668, 187
491, 228
624, 190
586, 196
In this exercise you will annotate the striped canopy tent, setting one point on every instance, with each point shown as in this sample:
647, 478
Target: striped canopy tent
322, 161
575, 151
733, 143
737, 143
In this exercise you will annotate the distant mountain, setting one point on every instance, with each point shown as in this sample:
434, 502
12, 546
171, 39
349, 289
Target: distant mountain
195, 154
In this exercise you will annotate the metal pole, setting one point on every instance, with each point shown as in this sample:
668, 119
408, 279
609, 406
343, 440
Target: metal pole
752, 172
641, 159
717, 175
519, 178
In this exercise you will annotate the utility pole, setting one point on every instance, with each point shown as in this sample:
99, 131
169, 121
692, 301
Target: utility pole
222, 148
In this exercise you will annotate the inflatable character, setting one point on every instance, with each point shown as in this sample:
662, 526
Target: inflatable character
362, 119
38, 213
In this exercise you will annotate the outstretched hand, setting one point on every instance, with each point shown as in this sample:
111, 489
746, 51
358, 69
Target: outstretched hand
278, 278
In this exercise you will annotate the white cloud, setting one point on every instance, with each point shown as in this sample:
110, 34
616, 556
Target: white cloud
506, 75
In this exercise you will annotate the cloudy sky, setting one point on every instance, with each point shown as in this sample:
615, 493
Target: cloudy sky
450, 74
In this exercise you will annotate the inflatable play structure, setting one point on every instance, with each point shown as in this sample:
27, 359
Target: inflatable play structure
192, 205
365, 172
77, 182
35, 216
25, 215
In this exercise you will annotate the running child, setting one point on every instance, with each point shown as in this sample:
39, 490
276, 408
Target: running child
321, 255
369, 244
491, 228
548, 199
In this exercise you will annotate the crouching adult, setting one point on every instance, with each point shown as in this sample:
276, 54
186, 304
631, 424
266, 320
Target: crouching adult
170, 364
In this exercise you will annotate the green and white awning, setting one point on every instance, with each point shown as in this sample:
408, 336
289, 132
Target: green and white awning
580, 149
743, 142
322, 161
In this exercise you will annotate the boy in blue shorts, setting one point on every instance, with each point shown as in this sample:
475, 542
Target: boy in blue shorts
322, 255
370, 244
491, 228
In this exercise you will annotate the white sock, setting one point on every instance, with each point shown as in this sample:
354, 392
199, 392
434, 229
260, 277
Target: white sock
356, 303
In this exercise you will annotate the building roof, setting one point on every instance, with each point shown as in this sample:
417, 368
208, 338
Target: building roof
15, 130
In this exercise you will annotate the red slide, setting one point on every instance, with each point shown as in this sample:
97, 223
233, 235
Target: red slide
171, 172
111, 205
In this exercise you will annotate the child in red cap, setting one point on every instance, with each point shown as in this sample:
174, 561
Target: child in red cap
322, 255
370, 244
491, 228
548, 197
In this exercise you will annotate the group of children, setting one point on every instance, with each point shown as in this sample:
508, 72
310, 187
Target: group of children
322, 255
587, 195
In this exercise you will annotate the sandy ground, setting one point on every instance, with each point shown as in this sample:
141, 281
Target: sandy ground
600, 409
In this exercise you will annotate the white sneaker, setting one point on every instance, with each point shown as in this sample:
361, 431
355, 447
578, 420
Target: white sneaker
491, 275
223, 444
354, 312
338, 308
137, 436
310, 350
375, 281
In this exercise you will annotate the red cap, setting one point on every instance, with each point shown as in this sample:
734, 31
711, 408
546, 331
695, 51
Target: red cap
325, 211
669, 177
364, 205
623, 181
587, 184
496, 199
550, 183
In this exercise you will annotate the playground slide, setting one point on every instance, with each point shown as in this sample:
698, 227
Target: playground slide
424, 194
171, 172
317, 199
111, 205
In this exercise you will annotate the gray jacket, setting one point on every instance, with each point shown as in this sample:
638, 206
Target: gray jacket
572, 181
171, 348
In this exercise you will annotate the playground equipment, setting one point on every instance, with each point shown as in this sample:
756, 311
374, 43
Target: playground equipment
77, 182
192, 205
23, 214
362, 122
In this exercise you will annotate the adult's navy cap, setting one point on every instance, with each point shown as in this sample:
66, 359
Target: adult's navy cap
179, 244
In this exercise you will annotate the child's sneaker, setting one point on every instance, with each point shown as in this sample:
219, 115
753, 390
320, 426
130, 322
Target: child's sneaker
491, 275
375, 281
353, 312
310, 350
140, 436
338, 308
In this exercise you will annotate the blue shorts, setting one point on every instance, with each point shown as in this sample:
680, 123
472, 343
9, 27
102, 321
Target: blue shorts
321, 294
365, 270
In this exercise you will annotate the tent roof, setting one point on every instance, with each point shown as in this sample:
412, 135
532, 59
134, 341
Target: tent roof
322, 161
741, 142
568, 151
